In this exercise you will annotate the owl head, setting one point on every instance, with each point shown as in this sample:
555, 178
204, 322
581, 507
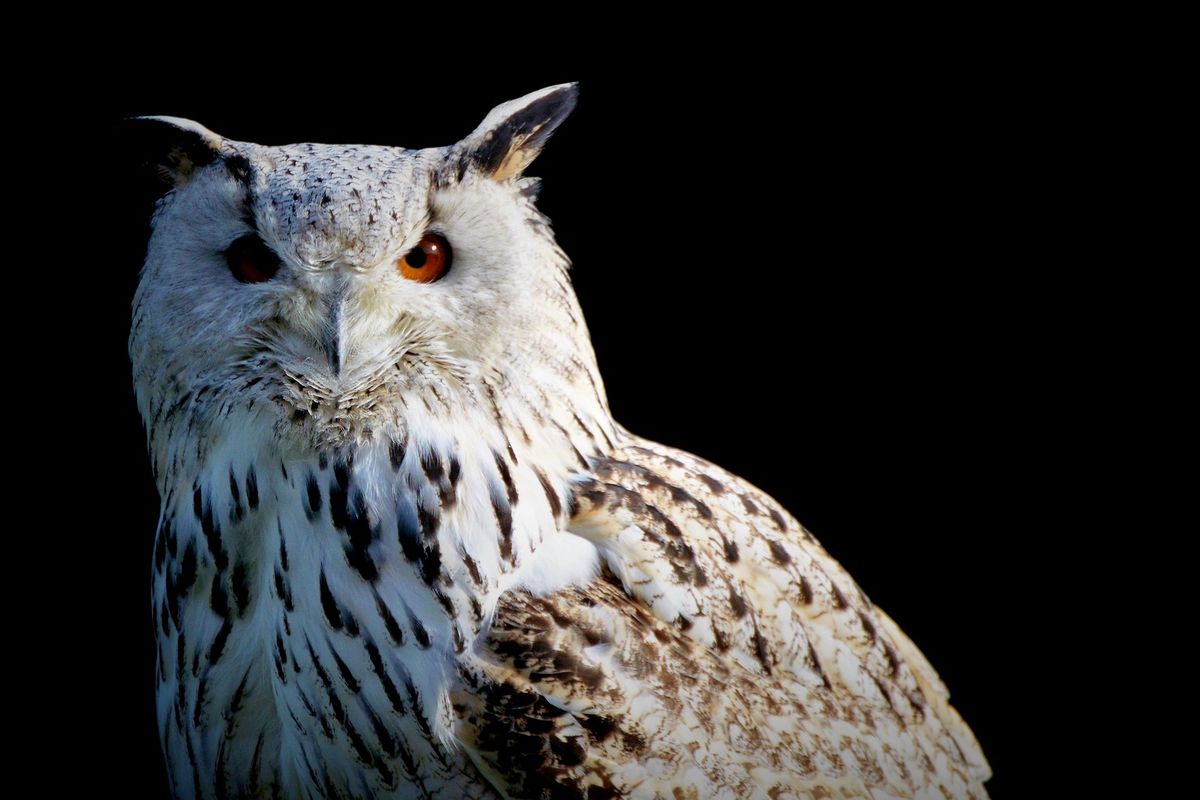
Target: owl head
331, 283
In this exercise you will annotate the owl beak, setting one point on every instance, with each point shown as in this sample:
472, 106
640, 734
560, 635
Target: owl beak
332, 340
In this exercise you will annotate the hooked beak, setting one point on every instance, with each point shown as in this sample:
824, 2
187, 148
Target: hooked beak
332, 340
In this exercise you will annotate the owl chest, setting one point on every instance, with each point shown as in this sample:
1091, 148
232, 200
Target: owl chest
314, 614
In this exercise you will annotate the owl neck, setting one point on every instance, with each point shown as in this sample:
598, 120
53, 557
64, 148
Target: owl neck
451, 501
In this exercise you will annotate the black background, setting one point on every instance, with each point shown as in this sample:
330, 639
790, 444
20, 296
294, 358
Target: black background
823, 275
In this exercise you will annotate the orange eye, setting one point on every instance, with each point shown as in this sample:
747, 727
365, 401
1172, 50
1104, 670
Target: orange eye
428, 261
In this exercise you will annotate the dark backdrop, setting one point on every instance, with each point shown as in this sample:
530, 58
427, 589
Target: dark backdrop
813, 274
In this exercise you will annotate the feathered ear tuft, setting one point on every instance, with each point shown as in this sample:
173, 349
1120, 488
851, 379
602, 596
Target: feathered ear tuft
175, 148
511, 135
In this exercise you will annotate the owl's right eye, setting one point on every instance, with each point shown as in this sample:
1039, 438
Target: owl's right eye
251, 261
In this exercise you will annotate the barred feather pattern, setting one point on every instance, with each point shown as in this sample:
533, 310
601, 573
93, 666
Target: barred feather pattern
445, 571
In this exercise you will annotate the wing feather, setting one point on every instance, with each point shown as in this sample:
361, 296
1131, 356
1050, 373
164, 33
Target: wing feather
721, 652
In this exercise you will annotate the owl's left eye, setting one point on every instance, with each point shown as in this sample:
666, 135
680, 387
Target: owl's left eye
251, 261
428, 261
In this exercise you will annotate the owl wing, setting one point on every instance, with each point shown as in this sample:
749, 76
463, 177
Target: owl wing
720, 652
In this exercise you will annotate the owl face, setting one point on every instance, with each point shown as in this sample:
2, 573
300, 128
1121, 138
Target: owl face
323, 278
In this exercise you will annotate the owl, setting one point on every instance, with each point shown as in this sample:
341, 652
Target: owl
404, 550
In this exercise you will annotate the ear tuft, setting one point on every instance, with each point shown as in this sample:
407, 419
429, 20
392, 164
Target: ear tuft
172, 146
511, 135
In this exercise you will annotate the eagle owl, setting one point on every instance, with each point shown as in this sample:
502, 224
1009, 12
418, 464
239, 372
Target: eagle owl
405, 551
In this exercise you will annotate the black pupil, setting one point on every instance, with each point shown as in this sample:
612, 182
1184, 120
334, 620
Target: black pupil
416, 258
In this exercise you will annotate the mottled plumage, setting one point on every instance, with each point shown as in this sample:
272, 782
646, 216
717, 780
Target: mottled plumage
405, 551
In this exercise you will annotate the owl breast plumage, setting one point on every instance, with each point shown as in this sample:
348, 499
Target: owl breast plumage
405, 551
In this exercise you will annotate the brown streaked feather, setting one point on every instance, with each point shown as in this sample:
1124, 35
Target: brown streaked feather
722, 651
